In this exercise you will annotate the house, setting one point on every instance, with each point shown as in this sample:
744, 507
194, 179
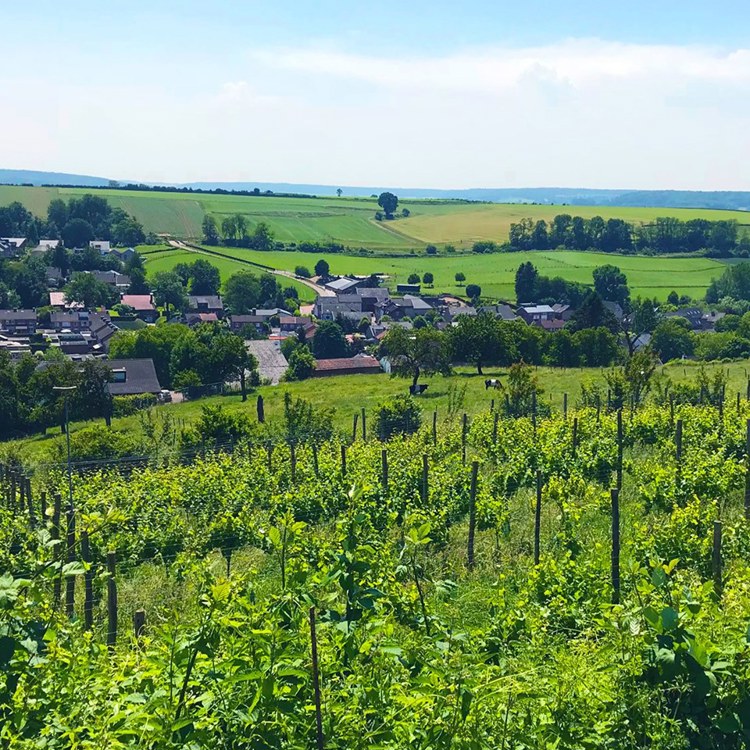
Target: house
535, 314
556, 324
360, 364
103, 246
123, 254
329, 308
75, 345
18, 322
210, 303
10, 247
54, 276
14, 348
195, 318
73, 321
118, 280
58, 299
102, 329
451, 313
407, 306
563, 312
500, 311
291, 323
343, 285
272, 363
710, 319
641, 342
693, 315
131, 377
616, 309
371, 296
45, 245
143, 304
258, 317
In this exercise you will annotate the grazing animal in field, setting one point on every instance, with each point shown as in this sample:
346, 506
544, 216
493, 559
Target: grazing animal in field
491, 383
415, 390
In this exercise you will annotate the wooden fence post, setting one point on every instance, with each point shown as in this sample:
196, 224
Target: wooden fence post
615, 495
619, 449
495, 419
384, 469
492, 405
671, 409
30, 503
355, 419
88, 583
70, 583
364, 426
261, 410
472, 513
738, 402
538, 517
269, 454
533, 411
293, 461
716, 559
575, 436
316, 682
598, 408
343, 460
678, 452
425, 478
315, 459
565, 405
434, 427
111, 601
43, 501
747, 470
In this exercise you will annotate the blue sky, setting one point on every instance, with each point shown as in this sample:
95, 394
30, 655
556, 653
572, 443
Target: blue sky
432, 94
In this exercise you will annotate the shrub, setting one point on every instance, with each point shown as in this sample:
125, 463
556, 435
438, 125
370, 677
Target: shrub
301, 364
124, 406
302, 271
400, 415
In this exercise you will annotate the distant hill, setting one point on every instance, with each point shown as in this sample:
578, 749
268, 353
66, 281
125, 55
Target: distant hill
733, 200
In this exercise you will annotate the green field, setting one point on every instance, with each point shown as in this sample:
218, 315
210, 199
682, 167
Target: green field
353, 392
647, 276
349, 221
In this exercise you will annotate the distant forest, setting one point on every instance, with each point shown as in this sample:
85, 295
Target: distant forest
664, 236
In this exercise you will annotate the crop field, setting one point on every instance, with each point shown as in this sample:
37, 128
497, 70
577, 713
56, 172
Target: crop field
495, 273
348, 221
562, 581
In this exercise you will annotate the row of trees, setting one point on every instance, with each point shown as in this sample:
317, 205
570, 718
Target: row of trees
235, 232
663, 236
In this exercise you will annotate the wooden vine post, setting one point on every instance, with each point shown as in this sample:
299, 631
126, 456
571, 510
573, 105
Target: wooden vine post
678, 453
88, 583
619, 449
364, 426
464, 430
70, 583
425, 478
495, 419
747, 470
315, 459
716, 559
261, 410
293, 461
30, 503
565, 405
55, 533
111, 601
384, 469
316, 682
434, 427
538, 517
343, 460
615, 496
533, 412
472, 513
139, 626
355, 418
575, 436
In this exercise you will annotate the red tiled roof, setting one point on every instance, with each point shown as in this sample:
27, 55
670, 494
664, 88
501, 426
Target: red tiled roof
138, 301
347, 363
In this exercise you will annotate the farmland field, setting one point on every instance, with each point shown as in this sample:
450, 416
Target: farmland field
495, 273
349, 221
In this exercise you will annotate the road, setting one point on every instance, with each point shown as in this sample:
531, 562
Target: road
321, 291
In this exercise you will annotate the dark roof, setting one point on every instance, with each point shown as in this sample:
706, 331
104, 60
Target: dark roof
140, 377
377, 292
17, 314
207, 300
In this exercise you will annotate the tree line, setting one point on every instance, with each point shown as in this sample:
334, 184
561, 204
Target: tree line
663, 236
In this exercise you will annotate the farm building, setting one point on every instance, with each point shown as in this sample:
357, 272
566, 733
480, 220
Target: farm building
360, 364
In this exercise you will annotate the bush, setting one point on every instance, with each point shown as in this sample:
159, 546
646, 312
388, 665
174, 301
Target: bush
400, 415
301, 364
96, 444
431, 250
413, 278
124, 406
302, 271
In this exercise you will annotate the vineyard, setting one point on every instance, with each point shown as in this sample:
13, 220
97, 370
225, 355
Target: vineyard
575, 579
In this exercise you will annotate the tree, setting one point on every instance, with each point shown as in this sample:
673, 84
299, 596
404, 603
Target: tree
204, 278
413, 278
262, 237
228, 357
672, 339
322, 268
526, 277
302, 271
481, 341
593, 314
412, 354
92, 397
339, 191
301, 364
229, 229
242, 292
460, 277
57, 212
84, 288
388, 202
138, 283
428, 278
431, 249
168, 291
77, 233
673, 298
474, 291
642, 317
611, 284
400, 415
210, 230
597, 346
60, 258
128, 231
329, 342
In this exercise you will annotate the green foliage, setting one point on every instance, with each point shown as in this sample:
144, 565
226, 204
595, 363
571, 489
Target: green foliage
400, 415
301, 364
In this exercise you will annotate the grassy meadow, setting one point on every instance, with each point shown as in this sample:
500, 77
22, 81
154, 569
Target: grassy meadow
348, 394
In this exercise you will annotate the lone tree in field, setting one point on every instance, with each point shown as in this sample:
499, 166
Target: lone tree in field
474, 291
322, 268
339, 191
413, 278
412, 354
428, 278
389, 203
460, 277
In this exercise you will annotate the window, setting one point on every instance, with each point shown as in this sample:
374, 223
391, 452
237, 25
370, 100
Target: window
119, 376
